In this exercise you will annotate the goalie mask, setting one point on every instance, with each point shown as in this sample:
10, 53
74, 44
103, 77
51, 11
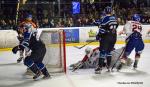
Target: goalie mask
88, 50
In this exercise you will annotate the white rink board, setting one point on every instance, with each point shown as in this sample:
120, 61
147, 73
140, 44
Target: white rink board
8, 38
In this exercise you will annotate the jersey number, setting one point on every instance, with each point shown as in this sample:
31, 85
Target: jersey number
113, 27
136, 27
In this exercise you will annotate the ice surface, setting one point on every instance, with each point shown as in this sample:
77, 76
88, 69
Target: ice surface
12, 74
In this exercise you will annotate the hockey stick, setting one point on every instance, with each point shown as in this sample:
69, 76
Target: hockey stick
84, 45
118, 58
127, 39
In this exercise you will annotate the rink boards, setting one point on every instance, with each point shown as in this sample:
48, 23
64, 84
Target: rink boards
74, 36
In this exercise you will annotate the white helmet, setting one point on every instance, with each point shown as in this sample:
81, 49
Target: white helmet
88, 50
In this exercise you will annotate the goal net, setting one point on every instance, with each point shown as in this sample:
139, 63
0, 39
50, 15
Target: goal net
55, 57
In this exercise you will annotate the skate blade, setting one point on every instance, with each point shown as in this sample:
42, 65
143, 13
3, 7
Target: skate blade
38, 78
118, 70
108, 71
112, 70
45, 78
134, 68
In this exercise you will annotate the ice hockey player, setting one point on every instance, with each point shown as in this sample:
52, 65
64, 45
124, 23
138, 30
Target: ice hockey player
107, 38
91, 58
88, 61
134, 40
35, 51
28, 20
97, 22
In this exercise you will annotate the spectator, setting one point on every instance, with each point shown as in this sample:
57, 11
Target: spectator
3, 24
46, 23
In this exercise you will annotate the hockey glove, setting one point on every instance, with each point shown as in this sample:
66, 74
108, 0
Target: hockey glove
15, 49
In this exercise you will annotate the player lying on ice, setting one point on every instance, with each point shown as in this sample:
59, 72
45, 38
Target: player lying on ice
92, 55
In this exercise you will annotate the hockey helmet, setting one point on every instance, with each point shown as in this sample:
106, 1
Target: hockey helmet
108, 10
136, 17
29, 17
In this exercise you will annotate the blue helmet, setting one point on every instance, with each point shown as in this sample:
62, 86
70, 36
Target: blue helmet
136, 17
28, 16
108, 10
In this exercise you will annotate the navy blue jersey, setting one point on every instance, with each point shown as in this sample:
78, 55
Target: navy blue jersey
109, 23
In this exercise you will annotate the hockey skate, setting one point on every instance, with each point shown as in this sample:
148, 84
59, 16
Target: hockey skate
98, 70
119, 67
135, 65
47, 76
37, 75
108, 70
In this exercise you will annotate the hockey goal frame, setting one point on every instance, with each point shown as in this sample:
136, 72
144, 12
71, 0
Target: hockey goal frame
62, 45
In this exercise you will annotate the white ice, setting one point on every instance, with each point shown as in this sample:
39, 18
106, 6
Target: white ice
12, 74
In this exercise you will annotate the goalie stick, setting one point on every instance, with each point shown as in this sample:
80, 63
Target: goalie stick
127, 39
84, 44
118, 58
77, 66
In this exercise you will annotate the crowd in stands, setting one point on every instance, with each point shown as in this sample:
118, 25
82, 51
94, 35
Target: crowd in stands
90, 12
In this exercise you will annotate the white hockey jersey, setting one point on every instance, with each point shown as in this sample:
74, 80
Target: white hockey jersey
132, 26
